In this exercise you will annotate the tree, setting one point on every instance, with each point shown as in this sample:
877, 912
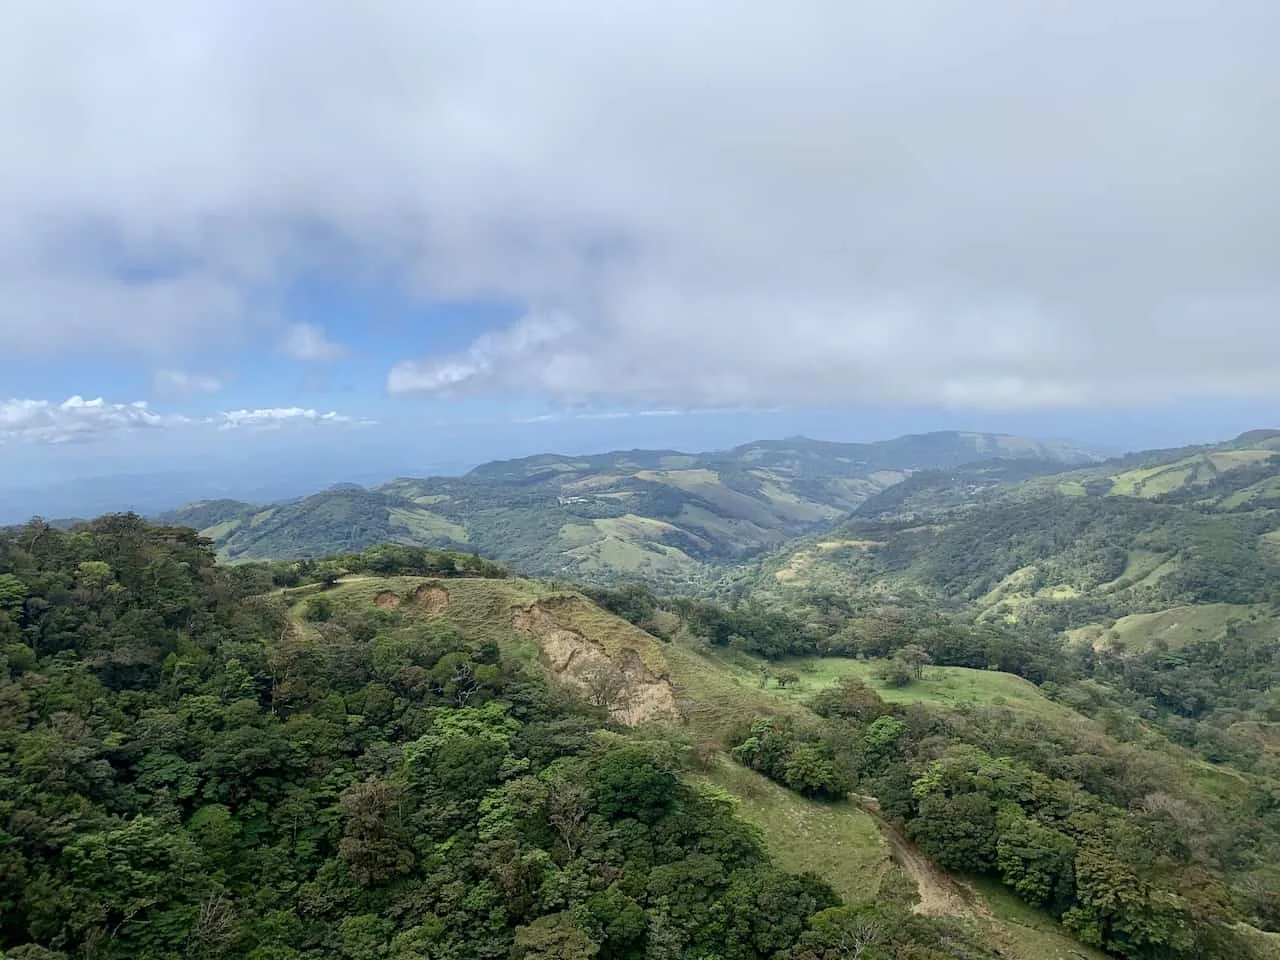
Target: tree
627, 782
850, 697
769, 910
1036, 861
319, 609
13, 594
374, 843
567, 809
553, 937
959, 832
880, 743
896, 672
915, 657
811, 771
607, 686
859, 931
786, 678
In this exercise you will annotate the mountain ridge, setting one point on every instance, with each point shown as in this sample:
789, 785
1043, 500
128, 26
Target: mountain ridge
661, 515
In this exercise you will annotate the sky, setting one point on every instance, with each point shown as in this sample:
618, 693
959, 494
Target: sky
315, 241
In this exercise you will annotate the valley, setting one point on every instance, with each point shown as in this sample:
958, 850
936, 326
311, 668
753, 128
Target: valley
662, 516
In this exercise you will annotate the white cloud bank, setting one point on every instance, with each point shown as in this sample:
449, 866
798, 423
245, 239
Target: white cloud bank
77, 420
275, 417
1001, 204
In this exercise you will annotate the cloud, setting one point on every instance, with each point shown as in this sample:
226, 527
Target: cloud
306, 341
179, 383
77, 420
977, 205
539, 339
275, 417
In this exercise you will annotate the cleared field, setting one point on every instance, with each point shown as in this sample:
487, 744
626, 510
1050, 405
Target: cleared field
1176, 626
628, 544
427, 526
948, 686
1267, 488
693, 479
1271, 541
220, 529
837, 841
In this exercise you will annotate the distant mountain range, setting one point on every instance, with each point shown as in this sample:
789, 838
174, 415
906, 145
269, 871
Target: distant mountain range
661, 515
1127, 538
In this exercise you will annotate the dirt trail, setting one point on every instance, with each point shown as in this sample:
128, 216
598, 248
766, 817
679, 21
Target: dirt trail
575, 661
939, 894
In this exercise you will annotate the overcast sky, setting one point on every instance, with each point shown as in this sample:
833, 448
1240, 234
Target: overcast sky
222, 221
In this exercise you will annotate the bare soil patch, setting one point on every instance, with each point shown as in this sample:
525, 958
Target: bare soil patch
387, 599
576, 661
432, 598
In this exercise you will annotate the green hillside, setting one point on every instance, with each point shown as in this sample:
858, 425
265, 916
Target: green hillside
1136, 535
661, 516
1169, 591
705, 699
412, 753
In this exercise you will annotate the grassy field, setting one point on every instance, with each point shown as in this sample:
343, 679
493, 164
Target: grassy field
1269, 487
1176, 626
1271, 541
837, 841
1196, 470
1023, 931
423, 525
947, 686
629, 544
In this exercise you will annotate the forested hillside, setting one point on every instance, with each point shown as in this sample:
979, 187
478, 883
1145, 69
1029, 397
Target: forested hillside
196, 764
663, 516
1059, 686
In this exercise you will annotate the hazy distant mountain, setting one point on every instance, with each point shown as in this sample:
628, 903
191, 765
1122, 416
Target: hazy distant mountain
659, 514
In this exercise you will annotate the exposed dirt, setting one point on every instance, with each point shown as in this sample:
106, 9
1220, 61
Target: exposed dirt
939, 894
387, 599
574, 661
432, 598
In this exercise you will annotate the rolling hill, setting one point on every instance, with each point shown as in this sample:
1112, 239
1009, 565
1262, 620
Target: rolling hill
663, 516
1162, 569
1136, 535
703, 696
706, 694
414, 751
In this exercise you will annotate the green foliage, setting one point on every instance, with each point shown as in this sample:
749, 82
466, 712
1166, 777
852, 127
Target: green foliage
187, 772
851, 699
794, 758
1058, 815
895, 672
1036, 861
